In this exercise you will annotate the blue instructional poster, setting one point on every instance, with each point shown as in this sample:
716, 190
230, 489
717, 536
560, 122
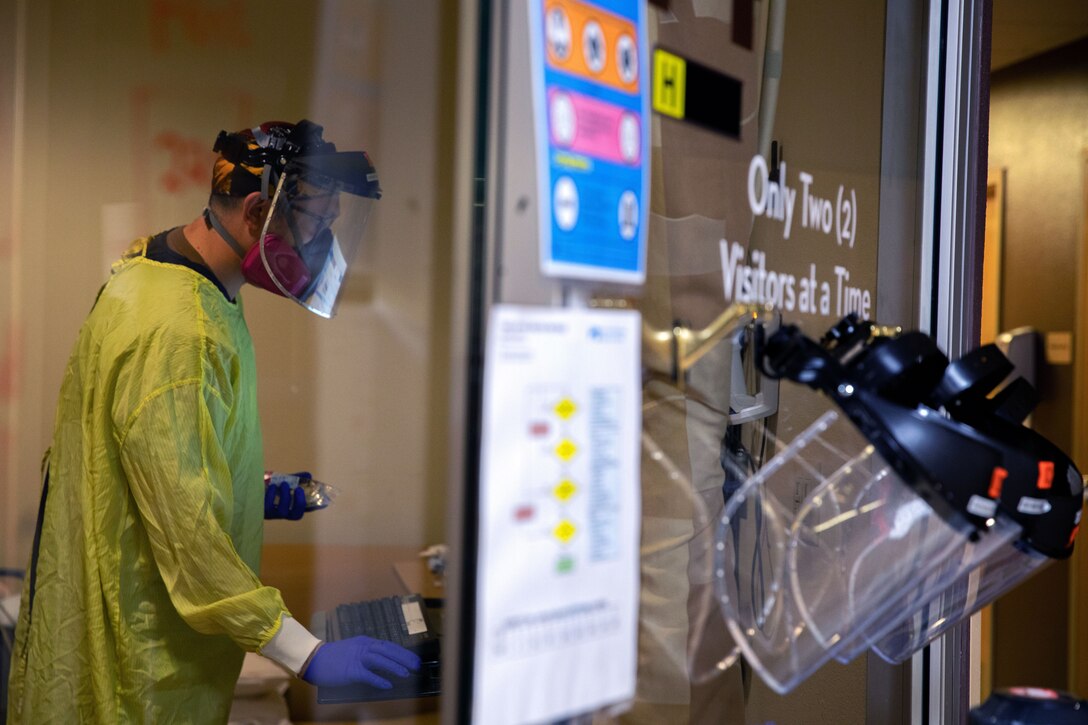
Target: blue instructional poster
592, 117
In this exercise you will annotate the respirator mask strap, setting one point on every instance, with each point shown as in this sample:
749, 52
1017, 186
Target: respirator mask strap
212, 222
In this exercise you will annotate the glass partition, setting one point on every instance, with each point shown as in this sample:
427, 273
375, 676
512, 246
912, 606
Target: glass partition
110, 112
800, 189
793, 182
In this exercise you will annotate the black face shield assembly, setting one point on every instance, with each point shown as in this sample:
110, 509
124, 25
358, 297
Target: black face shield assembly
916, 500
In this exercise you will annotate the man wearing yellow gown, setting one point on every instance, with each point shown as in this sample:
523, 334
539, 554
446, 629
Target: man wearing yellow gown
141, 595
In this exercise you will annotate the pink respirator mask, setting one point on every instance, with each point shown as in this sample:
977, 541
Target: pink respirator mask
290, 271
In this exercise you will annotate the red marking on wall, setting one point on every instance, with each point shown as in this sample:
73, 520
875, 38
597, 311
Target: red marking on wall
202, 23
190, 162
149, 102
539, 428
524, 513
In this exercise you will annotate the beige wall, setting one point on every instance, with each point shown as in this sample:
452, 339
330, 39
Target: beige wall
9, 190
1038, 129
1038, 133
122, 103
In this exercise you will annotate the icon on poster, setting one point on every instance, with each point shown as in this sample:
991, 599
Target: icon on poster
565, 203
558, 32
564, 119
627, 58
628, 215
593, 46
630, 137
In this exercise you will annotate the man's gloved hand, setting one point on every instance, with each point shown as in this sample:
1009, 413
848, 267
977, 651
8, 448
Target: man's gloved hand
281, 502
353, 660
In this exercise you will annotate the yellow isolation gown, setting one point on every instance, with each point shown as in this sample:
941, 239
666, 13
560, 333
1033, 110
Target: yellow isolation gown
143, 595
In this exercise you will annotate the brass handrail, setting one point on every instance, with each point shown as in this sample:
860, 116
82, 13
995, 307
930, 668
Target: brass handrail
675, 351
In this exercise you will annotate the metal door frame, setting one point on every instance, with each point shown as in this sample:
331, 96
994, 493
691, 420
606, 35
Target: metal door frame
954, 208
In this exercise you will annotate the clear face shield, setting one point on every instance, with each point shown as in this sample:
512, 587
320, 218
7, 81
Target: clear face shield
883, 522
827, 551
315, 227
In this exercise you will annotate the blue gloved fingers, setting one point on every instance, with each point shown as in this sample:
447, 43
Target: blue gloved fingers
380, 657
397, 654
270, 501
374, 661
297, 504
283, 502
353, 660
361, 674
303, 476
283, 506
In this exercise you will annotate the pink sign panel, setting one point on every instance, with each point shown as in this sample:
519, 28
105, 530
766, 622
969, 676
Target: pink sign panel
593, 127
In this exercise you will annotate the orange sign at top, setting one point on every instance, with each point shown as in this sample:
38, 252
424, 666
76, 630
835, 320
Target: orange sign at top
591, 43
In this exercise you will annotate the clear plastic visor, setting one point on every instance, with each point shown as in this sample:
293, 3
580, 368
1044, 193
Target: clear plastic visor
1003, 569
310, 238
818, 548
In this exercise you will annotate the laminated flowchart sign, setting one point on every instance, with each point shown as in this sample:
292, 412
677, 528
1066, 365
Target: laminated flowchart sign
558, 561
591, 115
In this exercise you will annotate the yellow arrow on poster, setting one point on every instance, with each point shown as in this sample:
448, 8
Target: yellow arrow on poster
564, 531
565, 489
565, 408
566, 449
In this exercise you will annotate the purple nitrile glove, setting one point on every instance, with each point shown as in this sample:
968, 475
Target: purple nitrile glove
280, 502
352, 660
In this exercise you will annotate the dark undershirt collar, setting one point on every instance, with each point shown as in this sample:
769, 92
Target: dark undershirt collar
159, 251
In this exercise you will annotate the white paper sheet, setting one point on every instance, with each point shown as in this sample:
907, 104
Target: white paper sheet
558, 587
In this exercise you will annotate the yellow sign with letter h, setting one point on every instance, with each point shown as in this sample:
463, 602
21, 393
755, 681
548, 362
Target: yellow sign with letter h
669, 74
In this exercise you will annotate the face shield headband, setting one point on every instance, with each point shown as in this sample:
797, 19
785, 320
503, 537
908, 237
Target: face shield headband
973, 463
254, 159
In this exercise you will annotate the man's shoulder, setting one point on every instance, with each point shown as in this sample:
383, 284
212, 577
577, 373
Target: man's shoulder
147, 287
143, 295
165, 305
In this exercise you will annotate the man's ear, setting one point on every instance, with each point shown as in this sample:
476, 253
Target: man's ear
254, 209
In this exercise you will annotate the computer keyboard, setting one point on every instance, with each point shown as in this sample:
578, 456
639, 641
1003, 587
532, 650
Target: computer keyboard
379, 618
396, 619
406, 620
